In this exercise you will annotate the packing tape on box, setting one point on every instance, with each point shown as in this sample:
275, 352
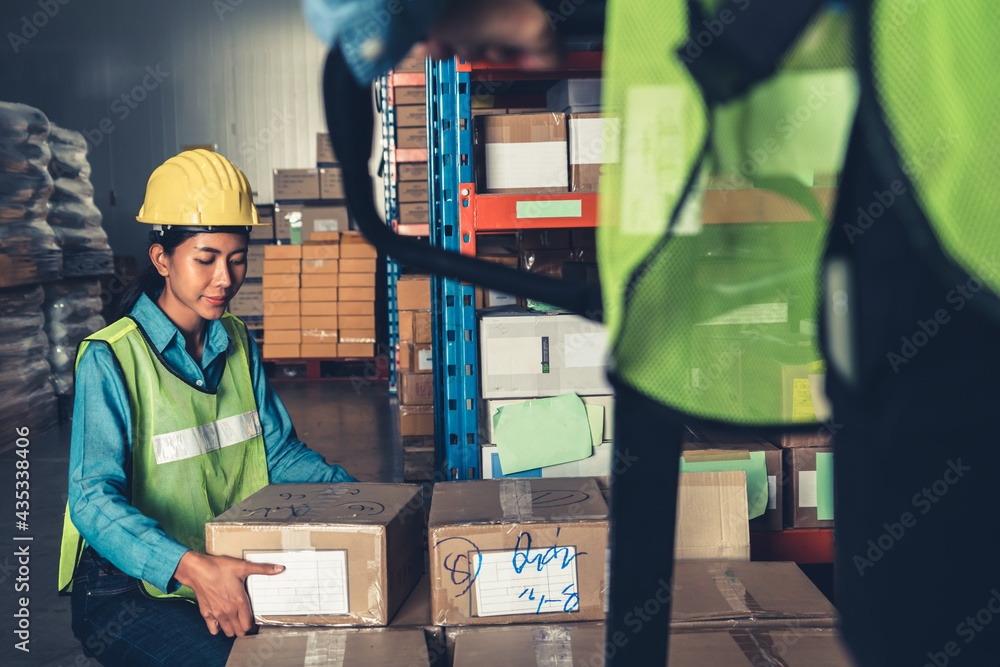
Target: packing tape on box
552, 647
515, 499
325, 648
296, 539
756, 644
733, 590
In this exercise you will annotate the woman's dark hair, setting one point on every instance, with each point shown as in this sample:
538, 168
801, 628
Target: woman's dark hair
149, 282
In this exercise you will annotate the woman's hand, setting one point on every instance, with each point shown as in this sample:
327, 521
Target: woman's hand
218, 581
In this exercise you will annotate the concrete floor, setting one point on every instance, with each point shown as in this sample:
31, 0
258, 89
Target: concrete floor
351, 423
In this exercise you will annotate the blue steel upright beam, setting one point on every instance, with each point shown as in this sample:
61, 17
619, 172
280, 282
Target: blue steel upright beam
454, 304
390, 203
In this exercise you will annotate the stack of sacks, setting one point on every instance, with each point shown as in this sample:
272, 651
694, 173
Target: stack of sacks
72, 213
25, 391
28, 249
72, 312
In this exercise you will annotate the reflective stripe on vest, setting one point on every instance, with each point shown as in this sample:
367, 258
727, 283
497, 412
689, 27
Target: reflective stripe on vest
195, 453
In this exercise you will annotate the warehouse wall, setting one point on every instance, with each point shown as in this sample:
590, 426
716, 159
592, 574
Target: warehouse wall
142, 79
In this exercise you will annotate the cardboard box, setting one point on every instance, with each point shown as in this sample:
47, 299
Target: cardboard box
725, 452
422, 360
281, 295
291, 266
574, 96
282, 309
321, 266
409, 95
280, 280
279, 351
320, 350
416, 420
598, 465
318, 294
357, 322
282, 323
282, 337
248, 302
414, 213
285, 217
356, 294
320, 323
593, 142
320, 308
324, 148
273, 252
355, 279
413, 292
412, 191
357, 336
265, 230
331, 184
357, 308
355, 265
772, 594
405, 325
422, 327
363, 541
321, 250
412, 171
416, 388
521, 153
410, 64
323, 219
300, 648
312, 336
255, 260
325, 237
405, 356
411, 115
348, 350
296, 184
528, 355
490, 407
712, 517
320, 279
809, 487
358, 250
581, 643
411, 137
540, 548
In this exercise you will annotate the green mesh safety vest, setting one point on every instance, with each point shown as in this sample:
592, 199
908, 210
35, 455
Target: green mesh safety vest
195, 453
713, 223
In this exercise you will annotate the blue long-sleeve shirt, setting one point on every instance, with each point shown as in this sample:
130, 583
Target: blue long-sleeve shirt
101, 446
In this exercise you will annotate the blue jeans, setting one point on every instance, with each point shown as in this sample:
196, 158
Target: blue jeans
119, 624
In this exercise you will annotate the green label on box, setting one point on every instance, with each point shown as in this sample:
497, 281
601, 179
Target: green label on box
824, 486
553, 208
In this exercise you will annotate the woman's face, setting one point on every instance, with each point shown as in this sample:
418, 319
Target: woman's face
203, 274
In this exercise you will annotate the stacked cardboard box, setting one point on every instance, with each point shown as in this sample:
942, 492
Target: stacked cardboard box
415, 376
280, 296
356, 296
320, 282
412, 192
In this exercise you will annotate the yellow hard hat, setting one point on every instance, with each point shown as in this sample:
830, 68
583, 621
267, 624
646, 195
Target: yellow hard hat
199, 188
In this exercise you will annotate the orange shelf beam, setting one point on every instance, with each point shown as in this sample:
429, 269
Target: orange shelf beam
800, 545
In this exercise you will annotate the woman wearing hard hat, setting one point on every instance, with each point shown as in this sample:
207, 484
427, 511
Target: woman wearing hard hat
174, 422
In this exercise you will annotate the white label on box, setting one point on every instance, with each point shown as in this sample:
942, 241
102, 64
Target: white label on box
807, 488
594, 140
425, 360
586, 350
314, 583
326, 649
513, 356
495, 298
533, 164
326, 225
527, 581
772, 492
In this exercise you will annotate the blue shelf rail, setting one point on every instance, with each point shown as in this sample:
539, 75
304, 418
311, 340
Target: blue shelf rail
391, 213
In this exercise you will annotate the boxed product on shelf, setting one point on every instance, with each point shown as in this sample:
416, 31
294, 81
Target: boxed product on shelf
356, 307
320, 279
320, 350
413, 292
324, 148
808, 493
264, 232
416, 420
280, 351
412, 191
296, 184
410, 64
711, 455
279, 280
352, 279
593, 142
517, 551
329, 249
358, 264
255, 260
325, 324
316, 218
360, 545
411, 171
411, 115
347, 350
355, 294
414, 213
711, 516
357, 322
321, 266
331, 183
574, 96
411, 137
416, 388
318, 294
528, 355
356, 336
355, 246
282, 336
360, 648
524, 153
409, 95
422, 359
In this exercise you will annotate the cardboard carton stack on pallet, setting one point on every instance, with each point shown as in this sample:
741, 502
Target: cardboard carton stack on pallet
356, 293
415, 376
280, 296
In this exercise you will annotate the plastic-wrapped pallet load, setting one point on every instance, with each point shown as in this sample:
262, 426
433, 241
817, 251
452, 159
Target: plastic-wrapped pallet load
72, 312
72, 213
28, 249
26, 395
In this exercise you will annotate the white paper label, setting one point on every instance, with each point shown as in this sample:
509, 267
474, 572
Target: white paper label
529, 581
594, 140
326, 225
586, 350
314, 583
425, 360
807, 488
772, 492
513, 356
535, 164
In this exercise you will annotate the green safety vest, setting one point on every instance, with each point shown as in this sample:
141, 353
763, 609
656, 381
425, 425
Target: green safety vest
195, 453
715, 220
